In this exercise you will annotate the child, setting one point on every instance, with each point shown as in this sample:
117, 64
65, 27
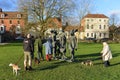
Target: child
106, 54
48, 49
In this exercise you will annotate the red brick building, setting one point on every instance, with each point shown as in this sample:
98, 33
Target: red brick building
11, 22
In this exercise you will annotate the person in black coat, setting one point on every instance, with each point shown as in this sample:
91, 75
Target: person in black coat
33, 41
40, 48
28, 49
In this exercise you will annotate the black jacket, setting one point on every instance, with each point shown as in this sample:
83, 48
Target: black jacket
27, 45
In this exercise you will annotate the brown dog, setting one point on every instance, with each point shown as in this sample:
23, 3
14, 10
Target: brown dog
87, 63
36, 60
15, 68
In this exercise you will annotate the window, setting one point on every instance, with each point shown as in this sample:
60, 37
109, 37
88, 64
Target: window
1, 29
104, 20
99, 19
2, 15
99, 26
87, 19
87, 34
18, 15
104, 35
18, 22
91, 19
10, 21
104, 26
87, 26
100, 35
18, 30
91, 34
2, 21
91, 26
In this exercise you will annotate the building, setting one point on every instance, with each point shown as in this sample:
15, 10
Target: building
54, 24
95, 26
11, 21
79, 29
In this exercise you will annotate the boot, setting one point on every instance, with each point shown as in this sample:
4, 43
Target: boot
25, 68
30, 68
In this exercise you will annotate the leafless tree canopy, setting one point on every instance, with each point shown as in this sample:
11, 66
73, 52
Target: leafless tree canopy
40, 11
84, 7
114, 19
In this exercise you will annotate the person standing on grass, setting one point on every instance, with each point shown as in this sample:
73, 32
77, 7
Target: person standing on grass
72, 44
40, 48
33, 41
48, 49
106, 54
28, 49
53, 36
62, 39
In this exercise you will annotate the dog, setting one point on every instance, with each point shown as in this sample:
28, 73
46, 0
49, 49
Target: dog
87, 63
15, 68
36, 60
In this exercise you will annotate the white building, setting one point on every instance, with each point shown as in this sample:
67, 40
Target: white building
95, 26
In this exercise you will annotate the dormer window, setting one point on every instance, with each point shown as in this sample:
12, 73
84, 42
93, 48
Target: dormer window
18, 15
2, 15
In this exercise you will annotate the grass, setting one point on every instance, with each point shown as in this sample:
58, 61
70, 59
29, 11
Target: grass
60, 70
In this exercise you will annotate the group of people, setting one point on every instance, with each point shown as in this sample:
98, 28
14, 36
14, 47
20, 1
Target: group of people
55, 47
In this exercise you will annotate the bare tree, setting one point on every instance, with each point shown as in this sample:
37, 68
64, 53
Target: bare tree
114, 19
84, 7
40, 12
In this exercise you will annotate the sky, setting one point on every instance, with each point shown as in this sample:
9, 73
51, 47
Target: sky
106, 7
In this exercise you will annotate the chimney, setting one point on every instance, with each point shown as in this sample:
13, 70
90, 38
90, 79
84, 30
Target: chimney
61, 17
0, 9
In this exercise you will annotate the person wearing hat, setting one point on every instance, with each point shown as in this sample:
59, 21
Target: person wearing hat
106, 54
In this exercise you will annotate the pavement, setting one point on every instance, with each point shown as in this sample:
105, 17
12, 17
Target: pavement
3, 43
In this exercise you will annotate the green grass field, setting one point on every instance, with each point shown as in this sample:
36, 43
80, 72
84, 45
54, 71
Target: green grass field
60, 70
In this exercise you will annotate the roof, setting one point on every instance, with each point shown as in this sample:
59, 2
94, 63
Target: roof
55, 23
12, 14
95, 16
69, 28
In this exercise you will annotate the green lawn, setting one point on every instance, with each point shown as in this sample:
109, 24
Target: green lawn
59, 70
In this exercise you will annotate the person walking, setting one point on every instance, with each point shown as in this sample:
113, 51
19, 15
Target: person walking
28, 49
106, 54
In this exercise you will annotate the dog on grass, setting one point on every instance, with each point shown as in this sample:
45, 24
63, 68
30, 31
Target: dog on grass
87, 63
15, 68
36, 60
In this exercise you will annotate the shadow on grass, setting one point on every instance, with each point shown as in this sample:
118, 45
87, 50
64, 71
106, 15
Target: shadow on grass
115, 64
92, 56
116, 54
48, 67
